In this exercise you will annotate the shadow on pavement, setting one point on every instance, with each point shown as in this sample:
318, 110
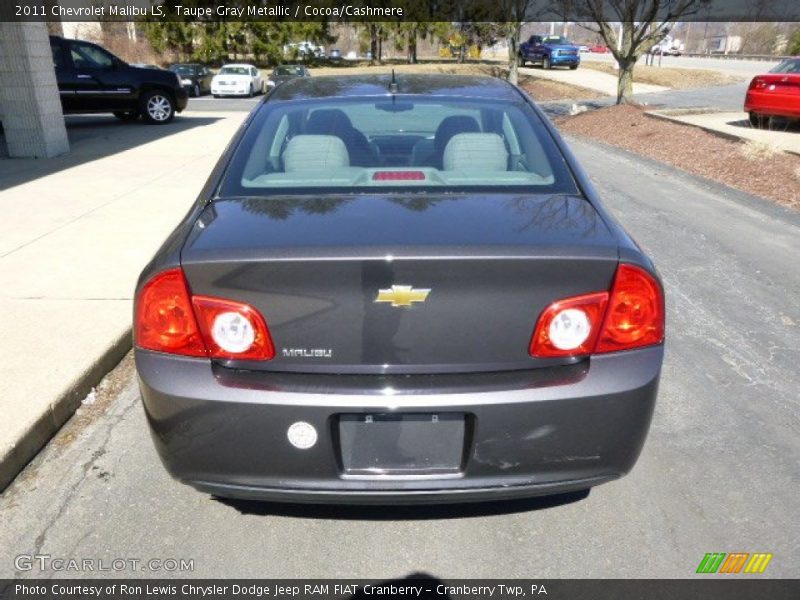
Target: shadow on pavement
401, 512
91, 137
773, 124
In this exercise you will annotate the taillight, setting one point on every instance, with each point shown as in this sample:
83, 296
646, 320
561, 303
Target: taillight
164, 318
233, 329
758, 84
569, 327
635, 313
169, 319
630, 316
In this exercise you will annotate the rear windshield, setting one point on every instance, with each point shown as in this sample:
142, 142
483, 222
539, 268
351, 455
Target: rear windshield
411, 142
183, 69
788, 66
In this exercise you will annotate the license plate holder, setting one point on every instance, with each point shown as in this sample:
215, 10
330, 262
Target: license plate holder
402, 444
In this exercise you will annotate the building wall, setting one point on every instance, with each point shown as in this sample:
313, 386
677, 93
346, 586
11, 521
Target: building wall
30, 107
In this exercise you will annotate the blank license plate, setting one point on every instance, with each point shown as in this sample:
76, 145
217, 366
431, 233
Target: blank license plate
407, 444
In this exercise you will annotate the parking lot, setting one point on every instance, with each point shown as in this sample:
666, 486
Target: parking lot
720, 470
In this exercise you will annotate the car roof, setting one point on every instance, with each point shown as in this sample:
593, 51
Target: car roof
350, 86
239, 65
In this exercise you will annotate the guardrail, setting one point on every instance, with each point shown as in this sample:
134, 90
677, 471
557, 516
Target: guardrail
761, 57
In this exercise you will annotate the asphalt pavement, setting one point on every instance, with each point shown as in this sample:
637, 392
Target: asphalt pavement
719, 473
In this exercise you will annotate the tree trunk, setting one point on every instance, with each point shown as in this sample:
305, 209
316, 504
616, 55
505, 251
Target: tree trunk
412, 51
513, 55
373, 46
625, 83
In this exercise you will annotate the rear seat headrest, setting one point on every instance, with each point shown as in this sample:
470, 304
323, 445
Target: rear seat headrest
475, 152
315, 153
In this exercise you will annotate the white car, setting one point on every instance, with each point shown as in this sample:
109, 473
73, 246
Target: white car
237, 80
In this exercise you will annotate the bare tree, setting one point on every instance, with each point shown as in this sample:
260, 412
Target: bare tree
644, 23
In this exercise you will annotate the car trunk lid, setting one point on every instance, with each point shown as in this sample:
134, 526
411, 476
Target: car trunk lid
401, 284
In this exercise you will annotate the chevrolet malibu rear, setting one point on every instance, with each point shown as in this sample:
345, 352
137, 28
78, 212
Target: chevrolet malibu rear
398, 291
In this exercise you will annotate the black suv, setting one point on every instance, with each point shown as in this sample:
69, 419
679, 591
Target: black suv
91, 79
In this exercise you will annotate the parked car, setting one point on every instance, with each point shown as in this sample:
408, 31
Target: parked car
398, 291
775, 94
145, 66
285, 73
195, 78
599, 49
237, 80
549, 51
335, 54
92, 80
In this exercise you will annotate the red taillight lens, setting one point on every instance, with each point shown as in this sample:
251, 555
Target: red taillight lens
169, 319
233, 329
635, 314
630, 316
569, 327
164, 318
758, 84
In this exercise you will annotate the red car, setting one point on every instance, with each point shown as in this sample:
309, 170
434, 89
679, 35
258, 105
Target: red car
775, 94
599, 48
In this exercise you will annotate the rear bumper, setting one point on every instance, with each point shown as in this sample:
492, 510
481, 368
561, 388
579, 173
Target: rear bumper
220, 91
530, 433
772, 104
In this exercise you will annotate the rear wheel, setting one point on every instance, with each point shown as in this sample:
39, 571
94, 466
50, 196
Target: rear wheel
757, 121
129, 115
196, 91
157, 107
573, 67
546, 63
252, 91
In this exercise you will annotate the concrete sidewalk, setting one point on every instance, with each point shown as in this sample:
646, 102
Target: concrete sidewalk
75, 234
590, 79
735, 125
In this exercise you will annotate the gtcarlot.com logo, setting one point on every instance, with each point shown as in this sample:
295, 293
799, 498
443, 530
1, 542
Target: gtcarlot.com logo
46, 562
734, 562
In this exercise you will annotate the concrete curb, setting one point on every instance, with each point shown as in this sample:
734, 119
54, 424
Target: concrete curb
60, 410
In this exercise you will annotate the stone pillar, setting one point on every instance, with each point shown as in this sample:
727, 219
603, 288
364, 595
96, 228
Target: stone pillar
30, 107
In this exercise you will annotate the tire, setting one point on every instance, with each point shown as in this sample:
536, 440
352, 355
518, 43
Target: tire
546, 63
757, 121
215, 95
196, 91
573, 67
521, 61
157, 107
252, 92
130, 115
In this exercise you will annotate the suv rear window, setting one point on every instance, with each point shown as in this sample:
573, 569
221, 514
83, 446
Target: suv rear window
413, 142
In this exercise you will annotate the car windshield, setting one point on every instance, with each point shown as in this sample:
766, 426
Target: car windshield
234, 71
788, 66
412, 142
183, 69
556, 39
289, 71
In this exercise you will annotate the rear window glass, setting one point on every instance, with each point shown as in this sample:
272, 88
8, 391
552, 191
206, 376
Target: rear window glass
289, 71
788, 66
412, 142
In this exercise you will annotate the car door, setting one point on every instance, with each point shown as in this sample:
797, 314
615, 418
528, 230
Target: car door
65, 75
102, 82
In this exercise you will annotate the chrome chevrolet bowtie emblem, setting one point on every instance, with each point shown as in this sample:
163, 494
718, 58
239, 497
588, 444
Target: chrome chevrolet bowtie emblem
402, 295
